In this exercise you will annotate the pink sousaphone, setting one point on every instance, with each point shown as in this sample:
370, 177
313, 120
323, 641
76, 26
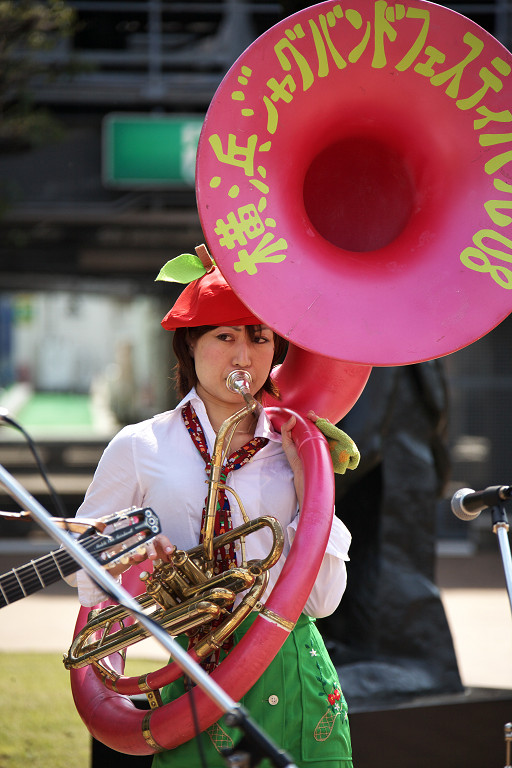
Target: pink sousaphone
354, 183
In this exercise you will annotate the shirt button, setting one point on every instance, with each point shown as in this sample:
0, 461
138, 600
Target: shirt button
273, 699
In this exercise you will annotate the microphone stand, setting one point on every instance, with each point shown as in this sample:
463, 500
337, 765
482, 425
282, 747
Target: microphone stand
256, 744
500, 528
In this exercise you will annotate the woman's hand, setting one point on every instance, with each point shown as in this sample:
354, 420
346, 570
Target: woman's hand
292, 454
293, 457
159, 548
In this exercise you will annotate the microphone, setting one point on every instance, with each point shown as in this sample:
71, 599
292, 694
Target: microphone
467, 503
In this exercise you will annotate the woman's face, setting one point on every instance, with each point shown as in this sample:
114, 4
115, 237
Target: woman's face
226, 348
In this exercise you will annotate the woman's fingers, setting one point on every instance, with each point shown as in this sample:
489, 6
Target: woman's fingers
292, 455
160, 548
286, 429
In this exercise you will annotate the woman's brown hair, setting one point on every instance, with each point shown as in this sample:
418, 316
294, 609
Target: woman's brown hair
185, 373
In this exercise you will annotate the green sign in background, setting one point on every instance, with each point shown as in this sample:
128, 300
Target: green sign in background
150, 151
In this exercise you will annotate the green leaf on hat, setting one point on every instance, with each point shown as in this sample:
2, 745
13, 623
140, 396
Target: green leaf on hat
183, 269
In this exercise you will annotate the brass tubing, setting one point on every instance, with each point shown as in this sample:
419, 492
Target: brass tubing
190, 569
176, 620
236, 579
244, 530
201, 604
216, 462
216, 638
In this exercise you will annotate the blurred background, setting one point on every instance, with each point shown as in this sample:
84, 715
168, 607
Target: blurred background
89, 212
101, 106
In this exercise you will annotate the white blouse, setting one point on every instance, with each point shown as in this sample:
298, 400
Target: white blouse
156, 464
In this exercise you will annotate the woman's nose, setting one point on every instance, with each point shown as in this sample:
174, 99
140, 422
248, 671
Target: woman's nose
242, 356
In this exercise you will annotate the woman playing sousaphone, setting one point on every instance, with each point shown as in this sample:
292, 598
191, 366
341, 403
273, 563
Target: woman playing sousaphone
161, 463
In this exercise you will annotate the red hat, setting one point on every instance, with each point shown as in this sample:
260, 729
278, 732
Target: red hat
208, 301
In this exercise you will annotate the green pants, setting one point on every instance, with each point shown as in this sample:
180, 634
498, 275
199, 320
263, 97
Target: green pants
297, 702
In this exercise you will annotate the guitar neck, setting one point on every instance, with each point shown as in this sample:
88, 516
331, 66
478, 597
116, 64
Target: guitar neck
129, 529
35, 575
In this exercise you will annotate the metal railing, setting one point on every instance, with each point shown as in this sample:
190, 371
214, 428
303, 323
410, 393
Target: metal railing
174, 54
154, 52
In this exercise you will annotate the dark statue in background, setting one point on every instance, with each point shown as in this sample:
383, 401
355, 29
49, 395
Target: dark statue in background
390, 638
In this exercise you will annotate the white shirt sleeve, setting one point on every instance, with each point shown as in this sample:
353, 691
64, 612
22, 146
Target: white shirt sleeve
331, 581
114, 488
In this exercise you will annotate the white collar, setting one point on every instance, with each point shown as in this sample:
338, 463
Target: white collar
263, 425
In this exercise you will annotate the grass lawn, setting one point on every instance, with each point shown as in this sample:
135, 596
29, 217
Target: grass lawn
40, 725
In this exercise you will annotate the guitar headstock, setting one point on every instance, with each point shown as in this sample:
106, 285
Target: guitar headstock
123, 532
